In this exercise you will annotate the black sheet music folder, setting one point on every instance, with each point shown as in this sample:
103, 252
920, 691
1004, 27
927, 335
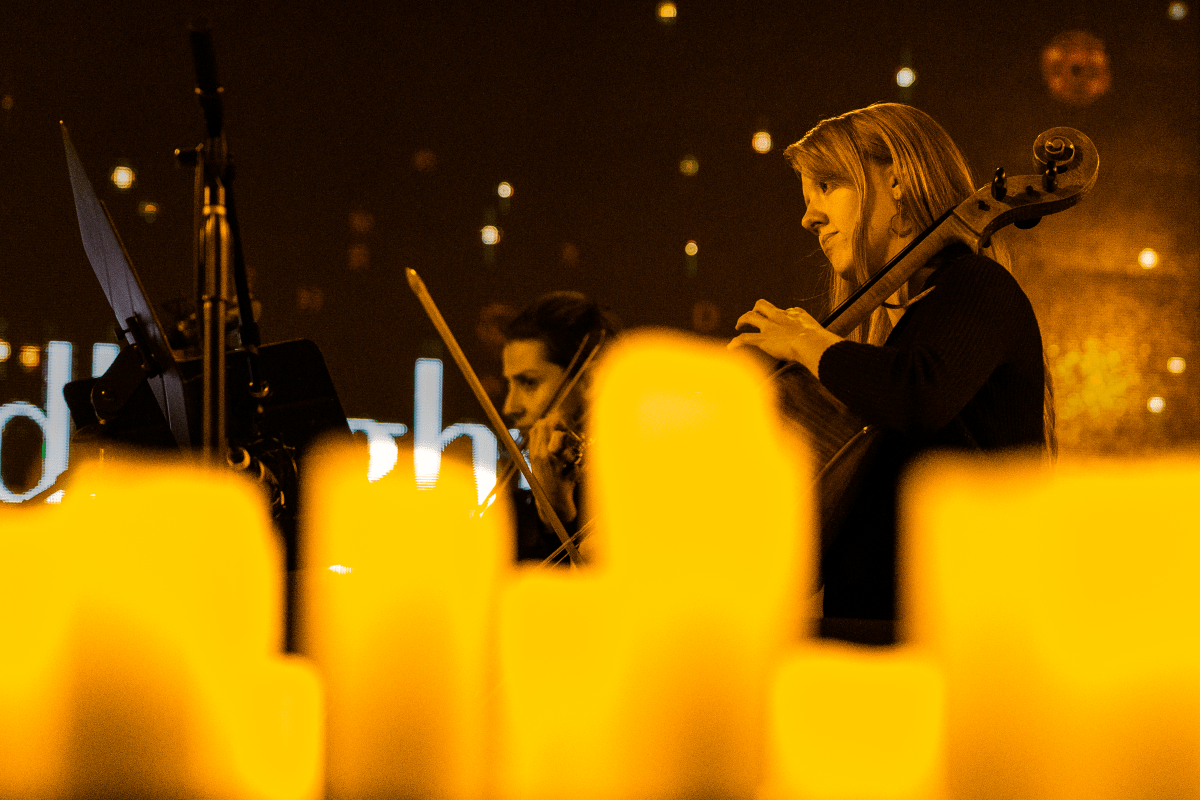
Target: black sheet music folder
164, 410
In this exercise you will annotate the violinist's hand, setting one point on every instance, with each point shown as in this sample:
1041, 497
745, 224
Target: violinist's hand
552, 453
791, 335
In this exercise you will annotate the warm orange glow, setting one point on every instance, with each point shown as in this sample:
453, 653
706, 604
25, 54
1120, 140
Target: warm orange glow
1075, 67
905, 77
424, 161
1148, 259
362, 222
1060, 622
851, 722
1175, 365
689, 165
1156, 404
310, 298
1177, 11
146, 662
1048, 612
665, 644
667, 11
490, 234
123, 177
358, 257
505, 190
761, 142
399, 625
5, 351
148, 210
691, 248
31, 356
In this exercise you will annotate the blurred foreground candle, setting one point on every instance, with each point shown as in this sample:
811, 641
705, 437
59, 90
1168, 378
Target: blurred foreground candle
399, 603
1063, 607
855, 723
36, 609
141, 632
646, 676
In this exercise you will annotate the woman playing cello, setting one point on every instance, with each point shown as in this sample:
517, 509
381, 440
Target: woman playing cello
952, 360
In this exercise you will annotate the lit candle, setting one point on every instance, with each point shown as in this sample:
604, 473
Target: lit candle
855, 722
157, 601
1062, 606
665, 651
399, 609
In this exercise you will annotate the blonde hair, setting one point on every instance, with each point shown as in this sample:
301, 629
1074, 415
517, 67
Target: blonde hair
933, 175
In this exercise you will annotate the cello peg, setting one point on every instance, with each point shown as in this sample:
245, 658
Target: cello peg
1050, 177
999, 184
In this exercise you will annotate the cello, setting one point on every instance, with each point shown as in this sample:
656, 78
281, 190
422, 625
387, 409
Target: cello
1066, 164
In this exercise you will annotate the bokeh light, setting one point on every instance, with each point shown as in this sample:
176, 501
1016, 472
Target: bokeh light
6, 102
148, 210
362, 222
691, 248
123, 177
1075, 67
1156, 404
761, 142
1148, 258
31, 356
490, 234
5, 350
1177, 11
689, 165
1175, 365
905, 77
424, 161
358, 257
310, 298
667, 12
570, 254
505, 190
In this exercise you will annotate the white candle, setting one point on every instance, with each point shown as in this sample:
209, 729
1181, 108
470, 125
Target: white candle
1063, 606
698, 587
158, 644
399, 611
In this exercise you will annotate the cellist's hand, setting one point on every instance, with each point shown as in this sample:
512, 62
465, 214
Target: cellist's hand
791, 335
552, 453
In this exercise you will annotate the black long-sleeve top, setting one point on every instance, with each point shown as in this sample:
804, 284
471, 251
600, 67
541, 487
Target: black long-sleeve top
963, 368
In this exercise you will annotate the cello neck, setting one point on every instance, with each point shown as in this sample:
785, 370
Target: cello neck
888, 280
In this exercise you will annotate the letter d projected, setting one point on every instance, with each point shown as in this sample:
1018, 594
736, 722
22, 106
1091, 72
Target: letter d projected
54, 421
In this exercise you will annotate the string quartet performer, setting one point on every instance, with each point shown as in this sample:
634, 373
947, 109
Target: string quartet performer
546, 345
952, 360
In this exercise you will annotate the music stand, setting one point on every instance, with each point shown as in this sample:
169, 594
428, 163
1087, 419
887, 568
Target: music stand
303, 401
152, 397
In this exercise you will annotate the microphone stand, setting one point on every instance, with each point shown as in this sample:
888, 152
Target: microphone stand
218, 253
218, 247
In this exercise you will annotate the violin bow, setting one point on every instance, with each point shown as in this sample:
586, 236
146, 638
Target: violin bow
566, 384
514, 452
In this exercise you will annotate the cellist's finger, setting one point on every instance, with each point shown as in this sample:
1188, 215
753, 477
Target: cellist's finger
745, 340
767, 309
749, 322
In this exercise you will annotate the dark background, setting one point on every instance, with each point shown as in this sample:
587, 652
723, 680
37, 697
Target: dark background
406, 116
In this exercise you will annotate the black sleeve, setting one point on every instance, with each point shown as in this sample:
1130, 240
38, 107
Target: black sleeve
941, 353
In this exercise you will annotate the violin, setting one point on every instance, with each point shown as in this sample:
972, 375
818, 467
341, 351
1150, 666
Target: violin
1067, 165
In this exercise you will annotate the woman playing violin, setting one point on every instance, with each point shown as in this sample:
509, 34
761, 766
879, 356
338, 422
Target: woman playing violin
540, 345
952, 360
